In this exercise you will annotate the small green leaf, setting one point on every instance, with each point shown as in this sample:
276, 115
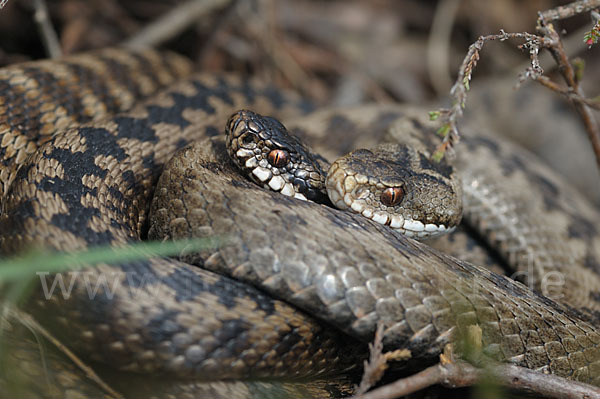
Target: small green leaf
434, 115
437, 156
579, 65
443, 130
466, 83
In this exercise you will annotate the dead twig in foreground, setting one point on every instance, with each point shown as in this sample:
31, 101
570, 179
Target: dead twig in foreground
16, 315
378, 361
461, 374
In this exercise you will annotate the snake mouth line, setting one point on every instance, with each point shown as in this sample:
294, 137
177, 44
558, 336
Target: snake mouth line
262, 148
408, 227
268, 179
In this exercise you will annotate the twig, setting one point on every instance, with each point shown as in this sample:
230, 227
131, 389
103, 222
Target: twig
565, 68
36, 329
49, 36
545, 81
449, 131
173, 23
549, 40
265, 36
572, 43
378, 361
215, 30
438, 45
461, 374
569, 10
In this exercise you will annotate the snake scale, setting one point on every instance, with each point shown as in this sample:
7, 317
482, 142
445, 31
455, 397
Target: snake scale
91, 184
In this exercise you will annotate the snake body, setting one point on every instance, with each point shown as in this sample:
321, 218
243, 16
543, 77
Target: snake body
92, 185
116, 162
541, 226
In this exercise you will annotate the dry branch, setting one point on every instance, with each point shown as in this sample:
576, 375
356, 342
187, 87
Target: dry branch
173, 23
547, 39
49, 36
375, 367
569, 10
461, 374
16, 315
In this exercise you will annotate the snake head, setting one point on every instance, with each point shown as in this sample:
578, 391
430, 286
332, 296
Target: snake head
396, 185
263, 149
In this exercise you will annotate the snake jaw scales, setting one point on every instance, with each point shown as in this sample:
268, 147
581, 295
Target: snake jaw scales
261, 147
384, 184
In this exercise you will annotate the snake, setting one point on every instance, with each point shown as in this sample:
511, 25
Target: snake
320, 278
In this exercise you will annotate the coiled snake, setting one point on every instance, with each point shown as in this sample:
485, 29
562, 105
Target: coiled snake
92, 185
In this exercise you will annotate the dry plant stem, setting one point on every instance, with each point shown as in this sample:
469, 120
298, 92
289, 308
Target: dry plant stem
573, 45
277, 54
36, 328
49, 36
544, 81
549, 40
589, 121
217, 28
375, 366
438, 45
461, 86
569, 10
173, 23
462, 374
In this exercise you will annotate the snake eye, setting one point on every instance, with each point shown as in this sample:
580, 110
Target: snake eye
278, 158
392, 196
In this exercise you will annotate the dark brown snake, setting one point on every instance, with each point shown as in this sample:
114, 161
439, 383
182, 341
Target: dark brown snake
92, 185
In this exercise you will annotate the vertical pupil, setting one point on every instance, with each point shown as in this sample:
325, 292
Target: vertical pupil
392, 196
278, 158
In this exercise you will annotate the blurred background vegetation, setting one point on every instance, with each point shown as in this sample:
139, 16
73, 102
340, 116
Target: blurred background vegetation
341, 52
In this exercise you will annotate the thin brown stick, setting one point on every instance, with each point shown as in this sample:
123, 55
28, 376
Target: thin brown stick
438, 45
460, 88
545, 81
173, 23
461, 374
36, 328
548, 39
558, 53
217, 28
49, 36
569, 10
265, 34
375, 367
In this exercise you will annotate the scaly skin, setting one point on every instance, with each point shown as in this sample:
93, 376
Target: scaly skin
92, 185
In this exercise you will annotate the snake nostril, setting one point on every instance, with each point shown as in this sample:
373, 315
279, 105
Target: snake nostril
248, 140
278, 158
392, 196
